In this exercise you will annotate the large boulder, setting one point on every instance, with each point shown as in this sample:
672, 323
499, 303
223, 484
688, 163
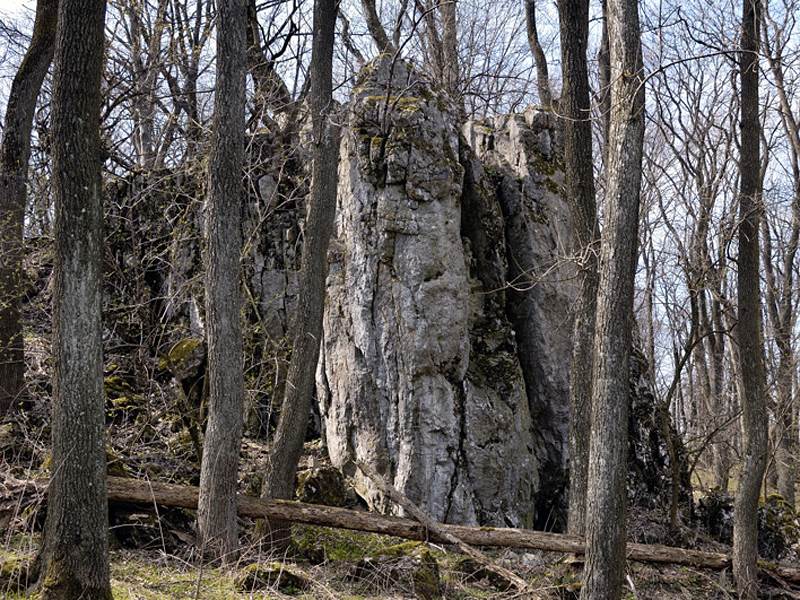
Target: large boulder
448, 321
421, 373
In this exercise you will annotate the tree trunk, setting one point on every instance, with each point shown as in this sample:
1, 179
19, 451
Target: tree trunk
578, 166
606, 497
375, 27
307, 326
75, 550
786, 426
216, 517
539, 59
15, 150
450, 56
721, 411
604, 76
748, 327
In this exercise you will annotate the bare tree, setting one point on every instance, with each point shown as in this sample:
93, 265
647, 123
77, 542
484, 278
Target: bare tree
307, 323
780, 278
375, 27
75, 549
578, 167
15, 149
606, 494
748, 327
539, 59
216, 515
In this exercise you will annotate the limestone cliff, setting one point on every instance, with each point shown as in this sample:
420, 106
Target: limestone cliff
425, 344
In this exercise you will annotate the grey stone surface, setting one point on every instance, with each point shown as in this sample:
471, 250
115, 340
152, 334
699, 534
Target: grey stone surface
420, 373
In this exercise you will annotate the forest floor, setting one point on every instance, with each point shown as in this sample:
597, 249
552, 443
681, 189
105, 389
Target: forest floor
395, 573
153, 552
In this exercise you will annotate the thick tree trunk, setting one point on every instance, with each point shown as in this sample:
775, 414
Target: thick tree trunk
15, 150
606, 497
307, 325
748, 327
576, 108
75, 551
218, 535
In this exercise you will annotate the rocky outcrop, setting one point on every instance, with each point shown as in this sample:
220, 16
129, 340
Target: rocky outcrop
650, 470
523, 154
421, 373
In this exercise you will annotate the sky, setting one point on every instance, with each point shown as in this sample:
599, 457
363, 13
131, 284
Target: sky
11, 7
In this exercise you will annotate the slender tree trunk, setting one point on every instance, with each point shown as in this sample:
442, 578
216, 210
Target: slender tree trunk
748, 327
216, 516
75, 550
785, 455
450, 71
604, 75
307, 326
375, 27
721, 412
576, 108
15, 150
606, 497
539, 60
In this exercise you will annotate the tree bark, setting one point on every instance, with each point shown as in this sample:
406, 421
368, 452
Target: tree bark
450, 57
604, 76
307, 326
75, 549
748, 327
539, 59
605, 514
578, 167
15, 150
218, 535
375, 27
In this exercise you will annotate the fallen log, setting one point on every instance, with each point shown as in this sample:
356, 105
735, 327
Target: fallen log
438, 530
181, 496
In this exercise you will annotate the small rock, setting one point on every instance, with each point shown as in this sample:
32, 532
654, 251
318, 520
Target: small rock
276, 575
6, 435
322, 485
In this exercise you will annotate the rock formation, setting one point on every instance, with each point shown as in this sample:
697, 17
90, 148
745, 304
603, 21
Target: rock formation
425, 344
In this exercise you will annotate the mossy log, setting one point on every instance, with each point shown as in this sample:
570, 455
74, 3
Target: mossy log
182, 496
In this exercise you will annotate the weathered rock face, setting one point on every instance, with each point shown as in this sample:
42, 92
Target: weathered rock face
522, 153
650, 470
421, 373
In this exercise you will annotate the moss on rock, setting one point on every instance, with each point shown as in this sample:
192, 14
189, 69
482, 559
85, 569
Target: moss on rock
324, 485
258, 576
